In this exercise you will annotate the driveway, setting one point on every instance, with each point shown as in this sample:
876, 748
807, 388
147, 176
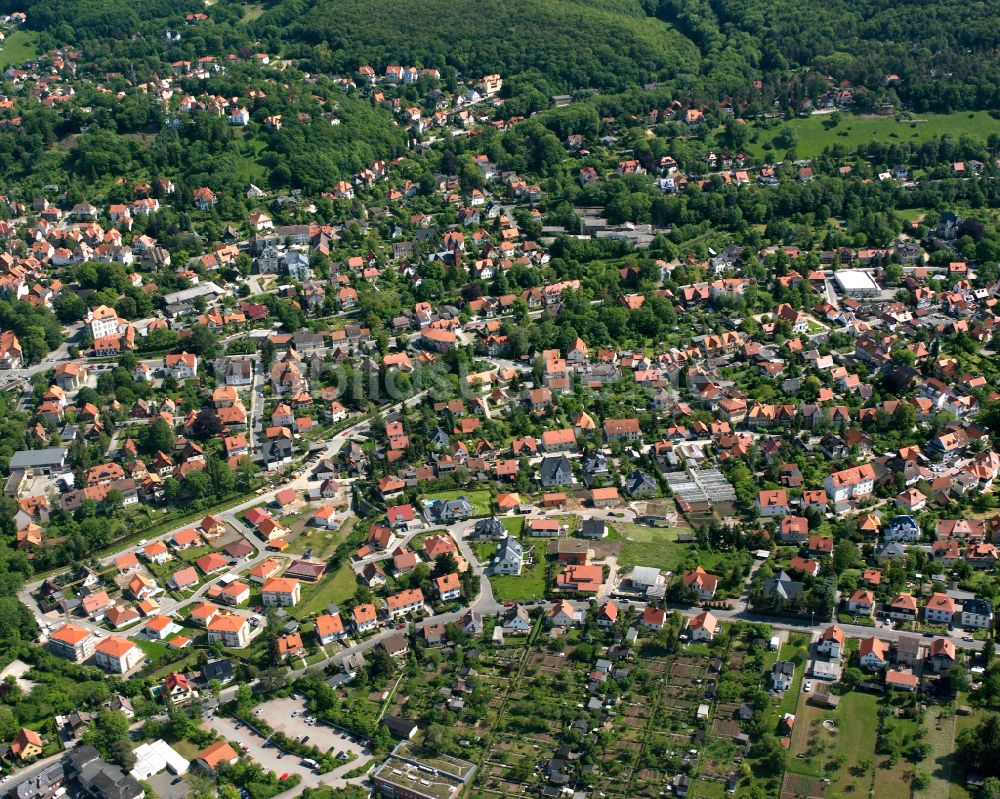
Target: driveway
168, 786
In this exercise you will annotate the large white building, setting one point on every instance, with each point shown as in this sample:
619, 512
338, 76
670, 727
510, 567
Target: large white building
977, 613
850, 484
856, 283
117, 655
232, 630
281, 592
103, 322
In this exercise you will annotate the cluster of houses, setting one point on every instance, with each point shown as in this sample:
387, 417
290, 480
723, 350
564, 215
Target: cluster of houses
898, 665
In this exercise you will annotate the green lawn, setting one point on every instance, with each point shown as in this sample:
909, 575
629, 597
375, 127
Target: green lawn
322, 542
529, 584
894, 783
513, 525
19, 47
155, 650
854, 737
814, 136
947, 777
484, 552
858, 727
192, 554
252, 11
658, 547
337, 586
651, 546
709, 789
315, 657
481, 501
789, 650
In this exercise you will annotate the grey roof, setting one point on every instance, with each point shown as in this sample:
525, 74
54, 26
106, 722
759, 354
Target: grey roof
455, 506
399, 727
218, 670
645, 575
277, 449
979, 607
551, 467
81, 756
42, 784
37, 458
639, 481
783, 667
202, 289
110, 782
394, 644
517, 612
490, 526
784, 586
510, 550
892, 550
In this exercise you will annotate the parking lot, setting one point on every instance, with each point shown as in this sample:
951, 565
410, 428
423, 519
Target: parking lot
277, 713
268, 757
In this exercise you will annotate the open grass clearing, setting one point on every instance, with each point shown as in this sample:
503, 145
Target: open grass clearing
813, 746
530, 583
337, 586
18, 48
815, 133
252, 11
947, 777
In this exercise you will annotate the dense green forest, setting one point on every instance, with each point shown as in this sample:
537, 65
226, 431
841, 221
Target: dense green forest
608, 44
945, 54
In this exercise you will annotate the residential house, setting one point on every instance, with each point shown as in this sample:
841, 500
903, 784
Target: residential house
976, 614
903, 608
782, 676
942, 656
229, 629
772, 502
117, 655
72, 642
701, 582
873, 654
561, 614
940, 609
508, 558
702, 627
281, 592
850, 484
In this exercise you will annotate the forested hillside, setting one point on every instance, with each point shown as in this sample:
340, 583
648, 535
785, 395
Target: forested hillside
943, 55
606, 44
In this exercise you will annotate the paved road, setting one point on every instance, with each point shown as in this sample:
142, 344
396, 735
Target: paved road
169, 606
27, 772
484, 603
